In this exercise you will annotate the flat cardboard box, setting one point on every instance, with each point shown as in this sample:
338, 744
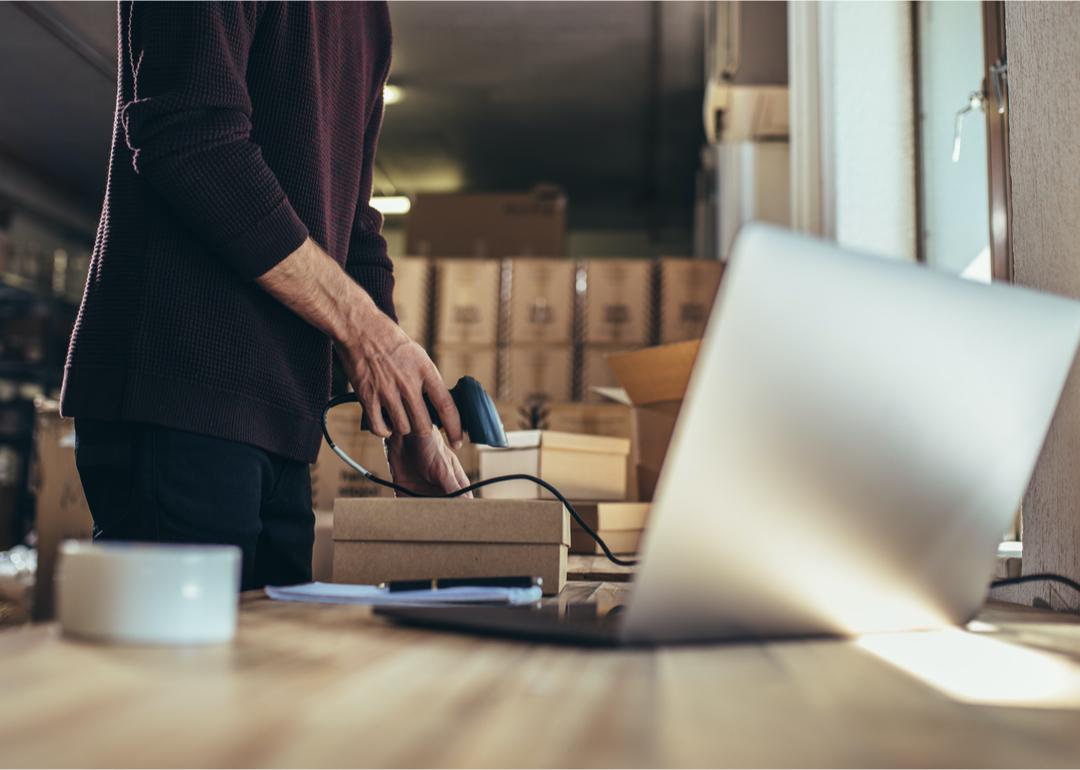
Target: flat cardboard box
456, 361
541, 306
687, 290
620, 541
62, 511
418, 539
467, 301
488, 224
412, 296
617, 307
612, 517
331, 478
654, 381
580, 466
539, 374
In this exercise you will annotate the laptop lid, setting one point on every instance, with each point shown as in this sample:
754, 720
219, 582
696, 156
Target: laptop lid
856, 437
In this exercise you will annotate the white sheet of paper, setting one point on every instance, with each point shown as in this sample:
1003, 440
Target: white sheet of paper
343, 593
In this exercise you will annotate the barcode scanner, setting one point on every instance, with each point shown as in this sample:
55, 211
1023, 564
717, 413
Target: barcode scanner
480, 421
479, 417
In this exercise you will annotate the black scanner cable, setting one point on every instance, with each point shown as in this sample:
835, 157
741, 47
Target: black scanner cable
347, 398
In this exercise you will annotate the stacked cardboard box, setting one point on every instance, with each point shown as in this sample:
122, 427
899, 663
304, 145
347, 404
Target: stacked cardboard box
488, 224
331, 478
688, 288
467, 320
539, 329
620, 525
616, 314
412, 296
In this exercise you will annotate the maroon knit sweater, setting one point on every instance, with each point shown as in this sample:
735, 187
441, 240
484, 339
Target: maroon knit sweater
240, 129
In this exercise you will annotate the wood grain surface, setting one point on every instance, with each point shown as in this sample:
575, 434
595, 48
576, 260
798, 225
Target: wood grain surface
322, 686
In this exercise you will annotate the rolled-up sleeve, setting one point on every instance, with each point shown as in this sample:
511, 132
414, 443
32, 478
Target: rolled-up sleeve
188, 126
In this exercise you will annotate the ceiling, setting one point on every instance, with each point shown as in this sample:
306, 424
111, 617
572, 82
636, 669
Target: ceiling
601, 98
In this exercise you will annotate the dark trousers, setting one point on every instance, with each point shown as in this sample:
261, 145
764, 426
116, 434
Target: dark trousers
162, 485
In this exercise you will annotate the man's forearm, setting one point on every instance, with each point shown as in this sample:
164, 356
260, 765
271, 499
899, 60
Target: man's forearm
311, 284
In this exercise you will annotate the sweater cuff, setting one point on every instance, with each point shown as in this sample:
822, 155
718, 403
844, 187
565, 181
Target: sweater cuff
267, 242
377, 281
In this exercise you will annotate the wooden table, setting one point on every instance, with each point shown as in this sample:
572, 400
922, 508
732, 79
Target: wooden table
334, 686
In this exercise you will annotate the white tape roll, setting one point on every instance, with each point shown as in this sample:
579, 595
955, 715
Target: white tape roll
144, 593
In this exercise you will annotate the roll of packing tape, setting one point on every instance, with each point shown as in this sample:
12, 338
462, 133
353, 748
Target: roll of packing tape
141, 593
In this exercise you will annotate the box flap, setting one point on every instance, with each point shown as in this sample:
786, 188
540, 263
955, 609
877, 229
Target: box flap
656, 374
451, 521
553, 439
618, 395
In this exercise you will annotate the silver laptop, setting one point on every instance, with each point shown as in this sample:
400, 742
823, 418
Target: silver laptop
856, 437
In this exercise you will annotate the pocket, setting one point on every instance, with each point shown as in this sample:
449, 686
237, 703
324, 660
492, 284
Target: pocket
105, 459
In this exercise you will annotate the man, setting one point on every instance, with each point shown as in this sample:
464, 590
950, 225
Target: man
236, 241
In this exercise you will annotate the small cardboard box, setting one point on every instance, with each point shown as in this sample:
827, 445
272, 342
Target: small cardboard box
467, 301
617, 309
653, 383
62, 511
541, 301
620, 525
539, 373
488, 225
687, 290
455, 361
412, 296
579, 466
331, 478
603, 419
418, 539
620, 541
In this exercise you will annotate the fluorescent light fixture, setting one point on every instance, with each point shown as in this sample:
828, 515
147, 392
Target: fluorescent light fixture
392, 94
390, 205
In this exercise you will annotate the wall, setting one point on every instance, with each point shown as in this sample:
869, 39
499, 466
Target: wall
853, 134
1044, 112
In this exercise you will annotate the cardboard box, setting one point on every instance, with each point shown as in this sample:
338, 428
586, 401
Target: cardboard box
488, 225
617, 307
595, 371
620, 541
541, 306
62, 512
581, 467
602, 419
331, 478
539, 373
612, 516
455, 361
418, 539
322, 551
467, 301
687, 290
653, 384
412, 296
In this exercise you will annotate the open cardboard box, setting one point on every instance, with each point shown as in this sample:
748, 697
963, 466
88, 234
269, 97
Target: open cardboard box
653, 384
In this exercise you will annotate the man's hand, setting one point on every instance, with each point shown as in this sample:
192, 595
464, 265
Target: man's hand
424, 464
388, 370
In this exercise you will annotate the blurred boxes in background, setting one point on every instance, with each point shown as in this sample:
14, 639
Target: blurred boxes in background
377, 541
62, 512
596, 372
580, 466
541, 306
604, 419
535, 374
412, 296
456, 361
620, 525
331, 478
488, 224
687, 290
467, 301
653, 384
617, 304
